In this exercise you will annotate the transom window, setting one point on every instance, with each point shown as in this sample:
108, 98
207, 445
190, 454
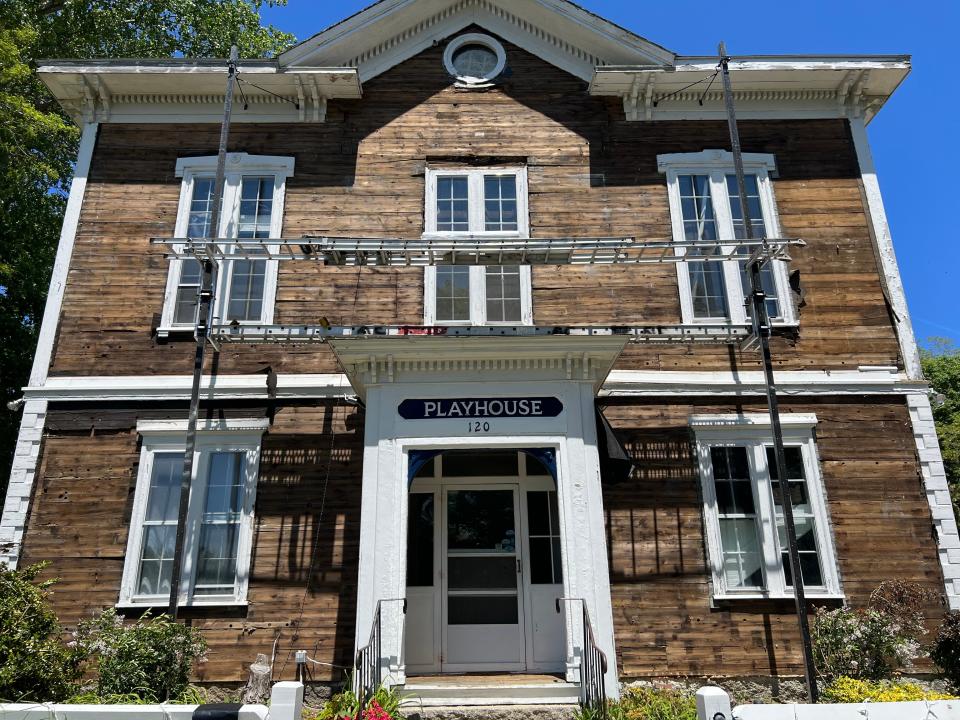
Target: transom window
252, 209
747, 542
477, 202
219, 518
705, 205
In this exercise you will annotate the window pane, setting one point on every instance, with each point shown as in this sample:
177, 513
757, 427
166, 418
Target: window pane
482, 610
160, 525
482, 573
503, 293
803, 517
256, 207
541, 563
480, 463
739, 538
544, 531
759, 230
481, 520
420, 539
220, 524
706, 278
246, 290
452, 204
453, 293
538, 516
741, 553
500, 204
201, 206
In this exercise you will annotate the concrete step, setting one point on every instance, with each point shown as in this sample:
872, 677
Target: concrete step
490, 712
505, 690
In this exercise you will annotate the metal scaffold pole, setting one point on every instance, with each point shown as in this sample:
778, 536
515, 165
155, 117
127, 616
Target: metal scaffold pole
205, 299
761, 332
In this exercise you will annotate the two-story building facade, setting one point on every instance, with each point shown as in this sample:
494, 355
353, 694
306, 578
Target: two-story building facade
469, 475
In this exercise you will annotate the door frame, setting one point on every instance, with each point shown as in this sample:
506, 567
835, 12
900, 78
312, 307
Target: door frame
480, 485
521, 483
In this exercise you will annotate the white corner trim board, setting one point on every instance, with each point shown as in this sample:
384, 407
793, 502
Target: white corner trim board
27, 452
887, 256
938, 494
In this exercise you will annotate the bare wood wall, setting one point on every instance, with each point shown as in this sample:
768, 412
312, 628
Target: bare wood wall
309, 492
660, 581
362, 173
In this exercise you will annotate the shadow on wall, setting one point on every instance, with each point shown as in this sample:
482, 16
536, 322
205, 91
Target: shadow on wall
304, 561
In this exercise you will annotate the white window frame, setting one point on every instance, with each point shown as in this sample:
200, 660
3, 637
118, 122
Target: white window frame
753, 432
475, 39
717, 164
241, 436
238, 165
478, 284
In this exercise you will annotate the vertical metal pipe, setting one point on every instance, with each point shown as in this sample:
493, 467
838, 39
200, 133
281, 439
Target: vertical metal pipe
201, 332
761, 328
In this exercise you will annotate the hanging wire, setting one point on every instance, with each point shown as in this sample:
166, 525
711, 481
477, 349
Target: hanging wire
268, 92
711, 78
704, 93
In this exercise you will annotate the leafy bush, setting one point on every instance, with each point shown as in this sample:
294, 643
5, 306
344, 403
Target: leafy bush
151, 658
35, 665
851, 690
946, 648
385, 705
646, 703
873, 642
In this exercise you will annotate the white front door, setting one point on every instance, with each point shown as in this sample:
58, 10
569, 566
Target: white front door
484, 568
483, 615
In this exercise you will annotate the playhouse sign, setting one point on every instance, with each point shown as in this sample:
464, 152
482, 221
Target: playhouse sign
446, 408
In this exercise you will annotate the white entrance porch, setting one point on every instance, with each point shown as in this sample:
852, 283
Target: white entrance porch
462, 539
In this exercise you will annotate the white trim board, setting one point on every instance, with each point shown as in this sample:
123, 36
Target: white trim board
886, 255
619, 383
27, 452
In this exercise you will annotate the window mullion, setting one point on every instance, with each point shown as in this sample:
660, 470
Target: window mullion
475, 201
198, 491
478, 294
776, 583
731, 269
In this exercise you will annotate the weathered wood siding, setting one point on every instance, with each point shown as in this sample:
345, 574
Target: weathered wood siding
591, 173
303, 579
663, 622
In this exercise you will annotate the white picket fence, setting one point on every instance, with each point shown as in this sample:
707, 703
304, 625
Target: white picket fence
714, 704
286, 703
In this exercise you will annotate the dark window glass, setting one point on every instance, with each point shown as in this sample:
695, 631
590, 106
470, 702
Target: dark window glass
481, 463
481, 520
482, 573
420, 540
543, 520
482, 610
535, 468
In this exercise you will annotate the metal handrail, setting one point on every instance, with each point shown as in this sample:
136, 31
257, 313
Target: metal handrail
593, 664
368, 663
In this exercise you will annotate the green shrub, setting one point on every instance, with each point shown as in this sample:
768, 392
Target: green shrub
945, 652
873, 642
851, 690
35, 665
646, 703
151, 658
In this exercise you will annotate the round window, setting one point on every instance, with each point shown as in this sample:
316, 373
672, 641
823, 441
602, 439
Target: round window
474, 59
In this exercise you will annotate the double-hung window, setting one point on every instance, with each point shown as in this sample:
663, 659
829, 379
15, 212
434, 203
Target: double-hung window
252, 209
481, 203
746, 539
219, 518
705, 206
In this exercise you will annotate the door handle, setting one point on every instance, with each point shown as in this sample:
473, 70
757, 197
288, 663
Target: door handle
518, 566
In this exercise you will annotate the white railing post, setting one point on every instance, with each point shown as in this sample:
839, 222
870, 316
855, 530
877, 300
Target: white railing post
286, 701
713, 704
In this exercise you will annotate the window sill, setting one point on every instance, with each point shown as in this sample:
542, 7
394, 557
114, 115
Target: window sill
164, 604
755, 596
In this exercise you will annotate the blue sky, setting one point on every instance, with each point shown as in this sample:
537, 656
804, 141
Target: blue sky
915, 138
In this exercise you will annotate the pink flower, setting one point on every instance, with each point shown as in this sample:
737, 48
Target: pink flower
375, 712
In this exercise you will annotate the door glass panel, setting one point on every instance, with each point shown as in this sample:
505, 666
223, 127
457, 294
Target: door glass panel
481, 520
420, 540
544, 529
481, 463
482, 610
482, 573
535, 468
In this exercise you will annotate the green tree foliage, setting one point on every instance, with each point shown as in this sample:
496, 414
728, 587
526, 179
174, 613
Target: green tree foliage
35, 665
38, 142
941, 366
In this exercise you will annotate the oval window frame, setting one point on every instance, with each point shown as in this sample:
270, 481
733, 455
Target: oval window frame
475, 39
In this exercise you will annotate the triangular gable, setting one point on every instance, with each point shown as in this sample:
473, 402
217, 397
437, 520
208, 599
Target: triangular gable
391, 31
